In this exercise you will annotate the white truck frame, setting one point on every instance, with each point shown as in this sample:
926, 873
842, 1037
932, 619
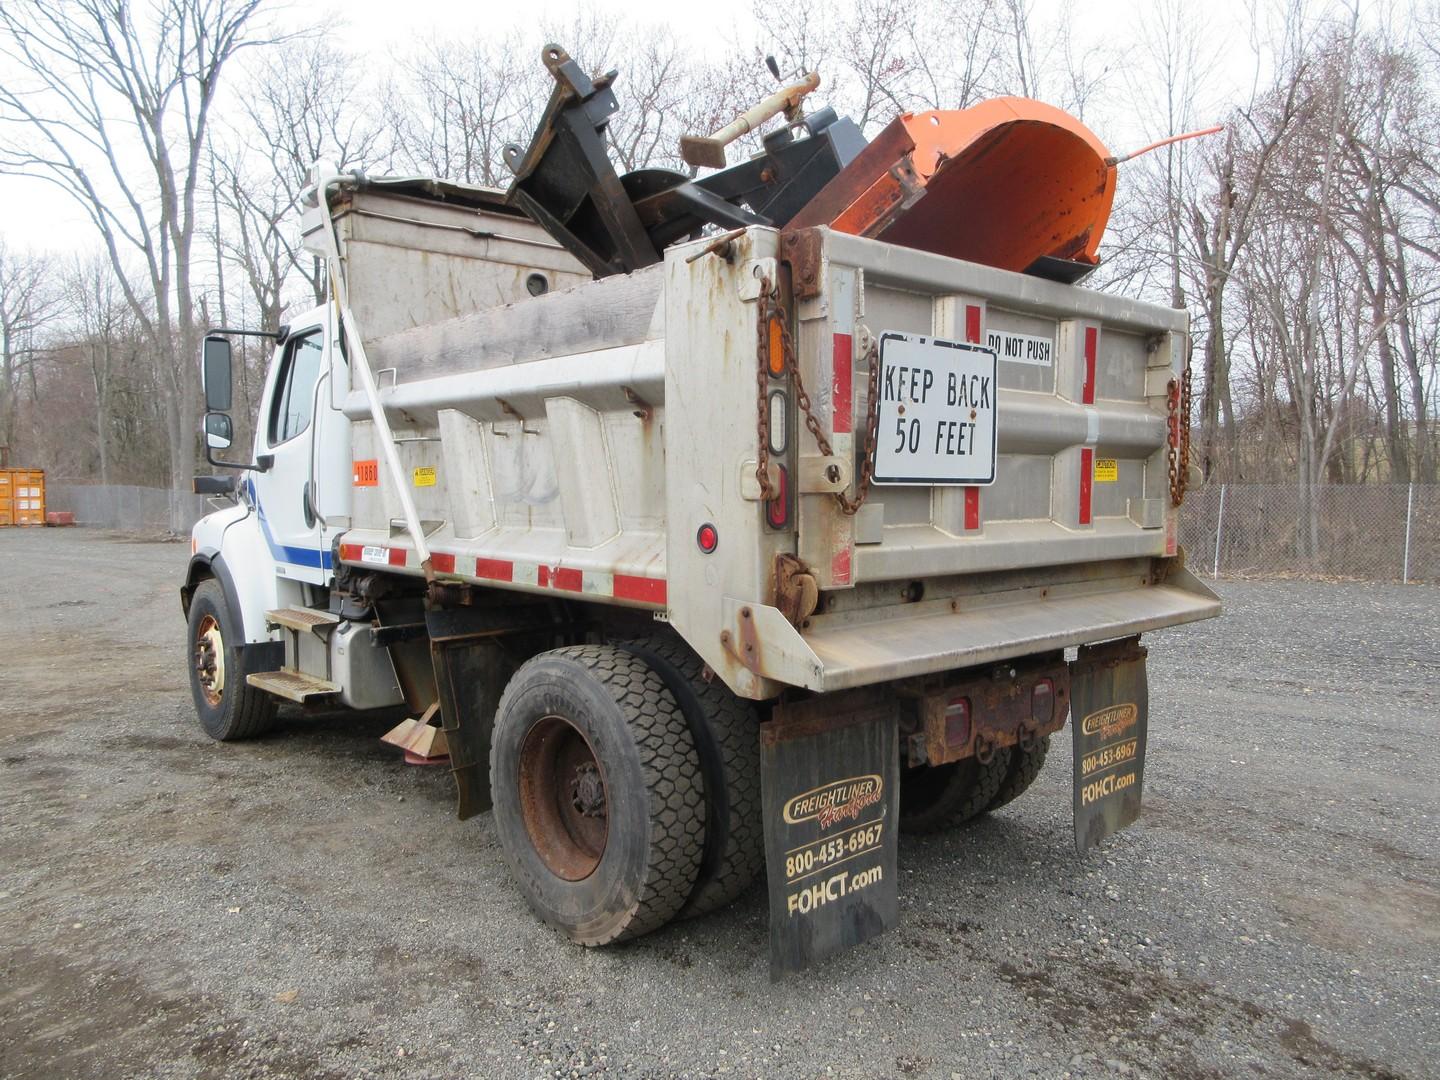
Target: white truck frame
499, 457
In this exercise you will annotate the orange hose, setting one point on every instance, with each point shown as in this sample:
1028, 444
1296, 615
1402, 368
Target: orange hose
1112, 162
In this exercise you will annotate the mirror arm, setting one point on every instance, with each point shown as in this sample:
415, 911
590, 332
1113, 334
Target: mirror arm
260, 464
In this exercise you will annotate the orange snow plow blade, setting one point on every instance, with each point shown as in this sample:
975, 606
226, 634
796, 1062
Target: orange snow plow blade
1011, 183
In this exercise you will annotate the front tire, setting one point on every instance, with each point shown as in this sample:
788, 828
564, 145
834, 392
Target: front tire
598, 794
228, 707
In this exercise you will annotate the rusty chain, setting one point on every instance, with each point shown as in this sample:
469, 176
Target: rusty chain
771, 308
1177, 398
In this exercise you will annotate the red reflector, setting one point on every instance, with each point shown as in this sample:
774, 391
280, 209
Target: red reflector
397, 556
1042, 702
442, 562
777, 510
1087, 391
1087, 475
707, 538
957, 722
972, 508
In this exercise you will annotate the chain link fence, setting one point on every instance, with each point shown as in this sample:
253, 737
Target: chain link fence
1374, 532
126, 508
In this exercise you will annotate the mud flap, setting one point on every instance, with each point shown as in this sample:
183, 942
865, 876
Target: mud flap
1110, 705
829, 777
471, 670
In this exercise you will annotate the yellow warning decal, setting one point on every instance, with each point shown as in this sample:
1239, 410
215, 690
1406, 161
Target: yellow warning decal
1107, 470
425, 476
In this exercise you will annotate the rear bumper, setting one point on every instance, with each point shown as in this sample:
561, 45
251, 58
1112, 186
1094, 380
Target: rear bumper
986, 627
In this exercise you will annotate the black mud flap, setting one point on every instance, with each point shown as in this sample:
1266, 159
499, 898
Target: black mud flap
829, 774
1110, 705
471, 670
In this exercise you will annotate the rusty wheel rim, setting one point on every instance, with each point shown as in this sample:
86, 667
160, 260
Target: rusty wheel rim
563, 798
210, 659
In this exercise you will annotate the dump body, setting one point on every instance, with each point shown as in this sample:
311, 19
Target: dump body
575, 444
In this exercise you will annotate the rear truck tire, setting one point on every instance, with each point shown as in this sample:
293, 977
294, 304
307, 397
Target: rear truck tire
935, 797
229, 708
1024, 767
598, 794
726, 730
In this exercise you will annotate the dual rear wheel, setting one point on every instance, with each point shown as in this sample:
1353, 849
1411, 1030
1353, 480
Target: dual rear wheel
623, 791
935, 797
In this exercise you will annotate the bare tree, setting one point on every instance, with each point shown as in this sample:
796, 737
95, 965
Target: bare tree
454, 105
301, 103
29, 301
104, 329
112, 107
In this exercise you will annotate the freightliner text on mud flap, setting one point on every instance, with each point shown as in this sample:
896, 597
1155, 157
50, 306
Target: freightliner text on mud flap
1110, 710
829, 778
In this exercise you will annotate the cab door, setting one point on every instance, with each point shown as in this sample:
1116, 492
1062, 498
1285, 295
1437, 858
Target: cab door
287, 431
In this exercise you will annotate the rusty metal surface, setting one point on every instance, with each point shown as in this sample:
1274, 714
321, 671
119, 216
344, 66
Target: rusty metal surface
1000, 710
796, 594
803, 250
564, 800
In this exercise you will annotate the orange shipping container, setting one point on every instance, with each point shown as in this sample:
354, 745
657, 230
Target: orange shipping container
22, 497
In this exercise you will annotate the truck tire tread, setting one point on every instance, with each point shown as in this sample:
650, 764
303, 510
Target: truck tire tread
670, 768
244, 712
734, 833
962, 793
1025, 766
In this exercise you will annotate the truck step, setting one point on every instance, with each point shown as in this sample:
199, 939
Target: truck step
291, 685
301, 619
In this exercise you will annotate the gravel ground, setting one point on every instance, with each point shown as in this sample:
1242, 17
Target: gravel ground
306, 906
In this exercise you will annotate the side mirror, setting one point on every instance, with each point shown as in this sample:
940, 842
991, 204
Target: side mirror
215, 377
219, 430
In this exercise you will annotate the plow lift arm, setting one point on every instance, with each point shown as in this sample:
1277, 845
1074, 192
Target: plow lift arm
615, 224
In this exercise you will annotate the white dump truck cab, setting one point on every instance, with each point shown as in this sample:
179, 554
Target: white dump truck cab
705, 540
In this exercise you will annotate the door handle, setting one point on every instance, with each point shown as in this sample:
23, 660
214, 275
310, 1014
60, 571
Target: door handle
307, 496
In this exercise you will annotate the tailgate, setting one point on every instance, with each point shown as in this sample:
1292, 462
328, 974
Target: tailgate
1081, 466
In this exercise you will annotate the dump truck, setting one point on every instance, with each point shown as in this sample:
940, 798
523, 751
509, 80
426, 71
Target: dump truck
713, 530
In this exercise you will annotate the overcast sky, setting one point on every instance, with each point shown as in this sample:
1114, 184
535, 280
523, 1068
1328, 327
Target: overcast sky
34, 215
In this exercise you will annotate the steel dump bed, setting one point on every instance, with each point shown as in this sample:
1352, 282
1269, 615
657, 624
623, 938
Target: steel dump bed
607, 443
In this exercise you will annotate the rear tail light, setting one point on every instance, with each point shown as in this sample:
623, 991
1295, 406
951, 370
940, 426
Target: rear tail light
957, 722
777, 510
1042, 702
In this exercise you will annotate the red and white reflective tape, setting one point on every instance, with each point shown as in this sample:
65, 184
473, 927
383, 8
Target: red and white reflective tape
842, 373
974, 330
1087, 476
596, 583
1092, 349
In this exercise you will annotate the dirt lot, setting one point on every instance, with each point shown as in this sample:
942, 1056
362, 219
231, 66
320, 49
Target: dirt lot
306, 906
